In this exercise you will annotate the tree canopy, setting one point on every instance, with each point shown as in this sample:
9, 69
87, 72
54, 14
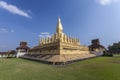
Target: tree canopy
114, 48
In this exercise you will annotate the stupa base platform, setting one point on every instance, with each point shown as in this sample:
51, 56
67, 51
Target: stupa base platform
61, 59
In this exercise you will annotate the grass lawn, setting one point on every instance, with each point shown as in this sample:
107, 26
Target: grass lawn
100, 68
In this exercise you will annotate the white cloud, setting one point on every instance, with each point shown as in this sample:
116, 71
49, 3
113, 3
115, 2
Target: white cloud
12, 31
29, 11
41, 36
13, 9
44, 34
48, 36
106, 2
3, 30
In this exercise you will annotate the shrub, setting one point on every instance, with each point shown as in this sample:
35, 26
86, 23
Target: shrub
106, 53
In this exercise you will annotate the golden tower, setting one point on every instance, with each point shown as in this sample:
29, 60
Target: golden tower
59, 48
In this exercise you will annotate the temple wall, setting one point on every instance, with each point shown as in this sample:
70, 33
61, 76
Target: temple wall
45, 52
73, 52
61, 48
60, 52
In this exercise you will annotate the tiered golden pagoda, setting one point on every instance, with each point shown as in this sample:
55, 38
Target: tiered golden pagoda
59, 48
59, 43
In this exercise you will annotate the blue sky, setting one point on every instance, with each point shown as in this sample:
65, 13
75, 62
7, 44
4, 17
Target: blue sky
25, 20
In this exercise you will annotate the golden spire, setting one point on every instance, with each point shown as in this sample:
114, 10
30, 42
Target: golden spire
59, 26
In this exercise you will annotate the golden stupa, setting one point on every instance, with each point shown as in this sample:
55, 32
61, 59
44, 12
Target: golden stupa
59, 48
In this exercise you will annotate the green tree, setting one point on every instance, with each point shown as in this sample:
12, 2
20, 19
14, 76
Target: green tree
115, 48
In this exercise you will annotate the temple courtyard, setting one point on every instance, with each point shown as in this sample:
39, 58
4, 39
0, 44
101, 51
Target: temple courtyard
99, 68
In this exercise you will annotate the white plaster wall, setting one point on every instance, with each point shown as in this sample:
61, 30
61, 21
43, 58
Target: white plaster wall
20, 54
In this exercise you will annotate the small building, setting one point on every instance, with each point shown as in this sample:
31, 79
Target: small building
3, 54
22, 49
10, 53
96, 47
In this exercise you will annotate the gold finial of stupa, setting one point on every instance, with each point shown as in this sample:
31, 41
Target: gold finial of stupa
59, 26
